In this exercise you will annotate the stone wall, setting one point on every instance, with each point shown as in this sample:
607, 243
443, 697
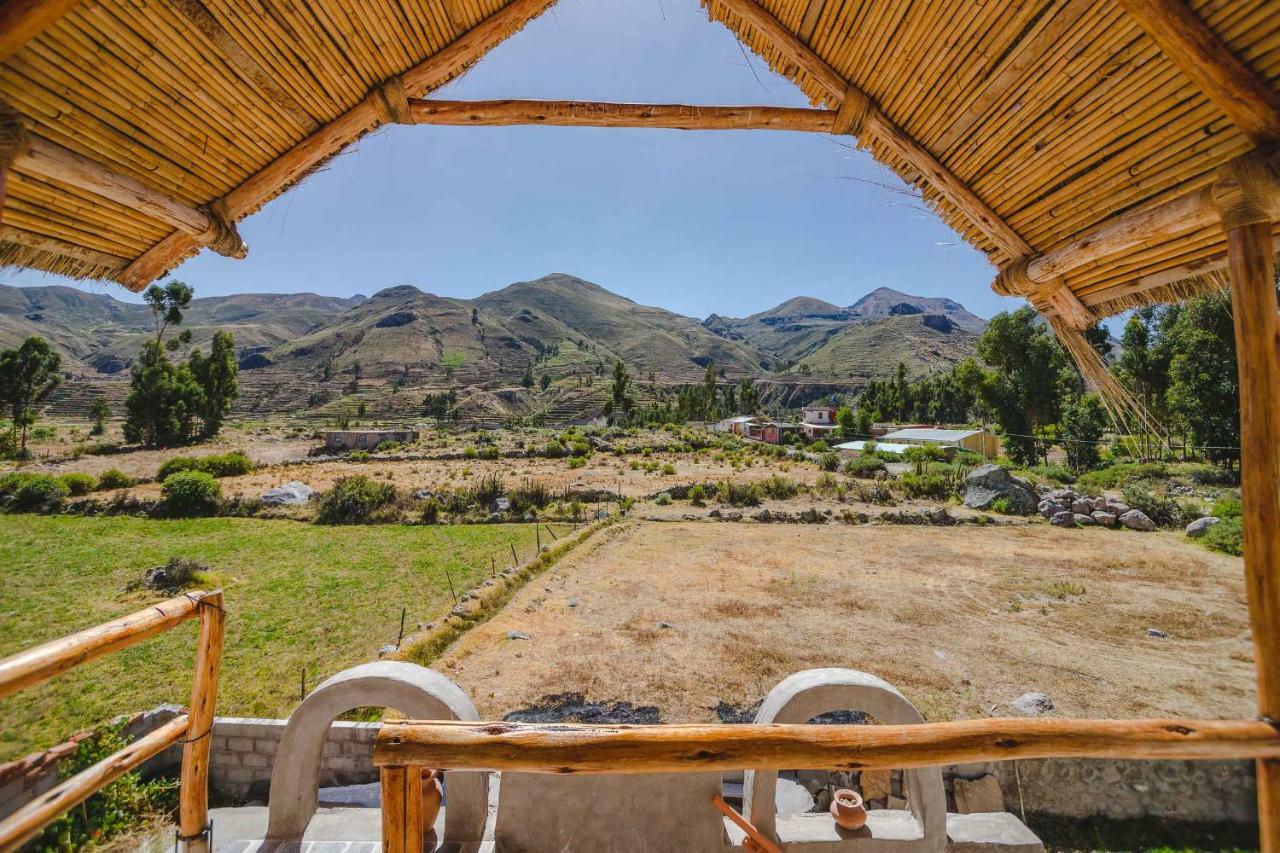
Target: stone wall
243, 751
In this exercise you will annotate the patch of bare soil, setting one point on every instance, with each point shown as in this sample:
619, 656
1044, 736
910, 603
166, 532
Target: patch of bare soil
700, 620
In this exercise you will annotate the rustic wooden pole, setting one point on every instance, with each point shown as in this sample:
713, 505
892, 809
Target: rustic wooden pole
402, 828
43, 662
601, 114
1247, 220
20, 826
193, 816
571, 748
23, 20
1204, 57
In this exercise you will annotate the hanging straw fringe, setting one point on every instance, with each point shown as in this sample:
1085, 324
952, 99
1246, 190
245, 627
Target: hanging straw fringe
15, 256
1165, 294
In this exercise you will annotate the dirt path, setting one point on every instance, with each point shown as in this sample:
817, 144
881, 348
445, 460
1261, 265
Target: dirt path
961, 619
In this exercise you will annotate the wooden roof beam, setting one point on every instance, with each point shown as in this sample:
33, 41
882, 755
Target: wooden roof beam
1188, 42
600, 114
1148, 226
23, 20
868, 118
328, 140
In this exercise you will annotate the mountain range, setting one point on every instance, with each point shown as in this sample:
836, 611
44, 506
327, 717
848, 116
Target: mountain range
304, 350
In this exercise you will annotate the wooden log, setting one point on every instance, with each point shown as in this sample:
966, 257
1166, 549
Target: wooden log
1136, 229
1205, 58
402, 828
23, 20
23, 824
193, 808
758, 837
41, 663
324, 143
600, 114
569, 748
878, 125
1257, 330
50, 160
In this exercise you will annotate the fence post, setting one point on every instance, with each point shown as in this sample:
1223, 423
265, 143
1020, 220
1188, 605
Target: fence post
402, 810
193, 813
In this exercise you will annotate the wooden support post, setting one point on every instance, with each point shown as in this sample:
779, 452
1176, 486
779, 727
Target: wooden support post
1257, 326
193, 817
402, 828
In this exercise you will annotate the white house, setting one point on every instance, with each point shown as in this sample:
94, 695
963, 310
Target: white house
975, 440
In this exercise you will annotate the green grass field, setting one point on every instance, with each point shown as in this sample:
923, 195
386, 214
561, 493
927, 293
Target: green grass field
297, 595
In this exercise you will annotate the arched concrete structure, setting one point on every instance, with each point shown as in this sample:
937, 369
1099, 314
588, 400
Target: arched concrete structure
415, 691
803, 696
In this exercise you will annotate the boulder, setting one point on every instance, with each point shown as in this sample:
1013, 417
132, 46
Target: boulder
1136, 519
500, 505
1066, 518
1201, 526
985, 484
1033, 704
1082, 506
1083, 520
1117, 508
292, 493
1106, 519
763, 515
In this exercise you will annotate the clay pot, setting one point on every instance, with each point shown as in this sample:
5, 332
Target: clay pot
847, 809
431, 797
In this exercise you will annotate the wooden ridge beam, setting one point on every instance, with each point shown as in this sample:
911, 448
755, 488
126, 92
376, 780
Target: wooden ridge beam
574, 748
601, 114
23, 20
1188, 42
331, 138
879, 126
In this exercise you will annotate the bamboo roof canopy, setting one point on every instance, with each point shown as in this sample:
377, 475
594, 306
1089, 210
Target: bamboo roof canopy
1057, 136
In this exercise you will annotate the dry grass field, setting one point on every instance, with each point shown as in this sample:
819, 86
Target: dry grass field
961, 619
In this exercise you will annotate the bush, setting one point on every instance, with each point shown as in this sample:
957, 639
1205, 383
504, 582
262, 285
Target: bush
431, 511
779, 488
696, 495
1225, 508
668, 469
125, 805
27, 492
490, 451
1161, 509
827, 483
189, 494
934, 486
1225, 536
818, 446
577, 462
663, 499
738, 494
555, 449
79, 484
829, 462
176, 464
1120, 475
1054, 474
864, 466
114, 478
387, 446
488, 489
531, 494
1002, 506
233, 464
470, 452
354, 500
358, 456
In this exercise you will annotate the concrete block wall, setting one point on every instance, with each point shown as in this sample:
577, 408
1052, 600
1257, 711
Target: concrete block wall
243, 753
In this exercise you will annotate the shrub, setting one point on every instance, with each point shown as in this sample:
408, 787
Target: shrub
818, 446
490, 451
387, 446
354, 500
1053, 473
829, 462
1205, 475
779, 488
864, 466
577, 462
663, 499
555, 449
191, 493
174, 465
358, 456
738, 494
470, 452
668, 468
1120, 475
431, 511
78, 483
580, 447
33, 492
697, 495
114, 478
233, 464
126, 804
489, 488
1225, 508
1163, 510
934, 486
827, 483
531, 494
1002, 506
1225, 536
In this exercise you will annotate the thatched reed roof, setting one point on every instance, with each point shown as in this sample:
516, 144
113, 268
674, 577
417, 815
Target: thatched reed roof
1026, 123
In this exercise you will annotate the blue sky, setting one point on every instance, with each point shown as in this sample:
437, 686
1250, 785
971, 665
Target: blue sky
696, 222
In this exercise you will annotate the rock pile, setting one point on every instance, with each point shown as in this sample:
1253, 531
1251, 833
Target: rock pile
1069, 508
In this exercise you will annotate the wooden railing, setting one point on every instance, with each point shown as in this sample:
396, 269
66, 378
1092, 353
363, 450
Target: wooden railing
192, 729
404, 746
